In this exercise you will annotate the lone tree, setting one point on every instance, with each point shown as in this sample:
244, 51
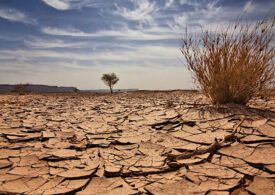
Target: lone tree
234, 63
110, 80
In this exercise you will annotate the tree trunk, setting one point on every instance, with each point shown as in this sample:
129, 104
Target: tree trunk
111, 89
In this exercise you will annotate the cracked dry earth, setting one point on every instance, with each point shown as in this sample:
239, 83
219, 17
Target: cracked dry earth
135, 143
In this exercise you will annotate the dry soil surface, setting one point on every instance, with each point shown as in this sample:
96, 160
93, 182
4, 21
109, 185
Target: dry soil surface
135, 143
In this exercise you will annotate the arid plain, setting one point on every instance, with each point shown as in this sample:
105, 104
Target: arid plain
135, 143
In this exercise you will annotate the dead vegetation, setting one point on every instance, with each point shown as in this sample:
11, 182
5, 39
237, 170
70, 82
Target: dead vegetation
234, 63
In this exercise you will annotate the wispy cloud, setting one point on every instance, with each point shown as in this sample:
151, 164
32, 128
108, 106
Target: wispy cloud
123, 33
76, 4
65, 32
151, 13
213, 14
130, 54
142, 11
14, 15
169, 3
58, 4
36, 42
182, 2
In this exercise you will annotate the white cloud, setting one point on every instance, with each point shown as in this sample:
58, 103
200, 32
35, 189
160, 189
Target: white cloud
131, 54
14, 15
36, 54
36, 42
207, 16
169, 3
76, 4
143, 10
58, 4
194, 3
181, 20
182, 2
125, 33
64, 32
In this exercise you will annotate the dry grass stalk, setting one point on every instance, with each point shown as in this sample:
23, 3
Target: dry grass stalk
232, 64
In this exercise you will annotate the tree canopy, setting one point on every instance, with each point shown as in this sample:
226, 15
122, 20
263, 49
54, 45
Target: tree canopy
110, 80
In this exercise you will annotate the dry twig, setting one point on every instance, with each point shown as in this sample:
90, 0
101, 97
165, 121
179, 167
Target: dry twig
213, 147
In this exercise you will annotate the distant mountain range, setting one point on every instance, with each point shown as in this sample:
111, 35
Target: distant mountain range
52, 89
36, 88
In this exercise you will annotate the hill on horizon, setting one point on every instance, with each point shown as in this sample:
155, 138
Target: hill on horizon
4, 88
38, 88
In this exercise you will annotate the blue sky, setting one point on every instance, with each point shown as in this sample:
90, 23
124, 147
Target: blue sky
73, 42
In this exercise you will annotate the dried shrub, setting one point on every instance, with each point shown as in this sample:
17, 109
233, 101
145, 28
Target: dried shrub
234, 63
